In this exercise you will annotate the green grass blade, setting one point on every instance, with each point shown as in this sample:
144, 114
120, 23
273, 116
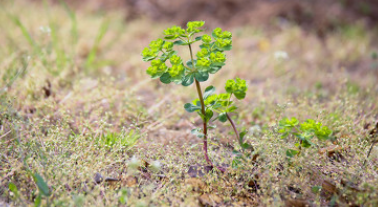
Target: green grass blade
93, 52
24, 31
72, 15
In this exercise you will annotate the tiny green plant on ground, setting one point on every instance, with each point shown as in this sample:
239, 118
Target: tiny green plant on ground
210, 59
303, 134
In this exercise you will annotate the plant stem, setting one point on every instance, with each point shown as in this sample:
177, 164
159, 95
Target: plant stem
234, 127
300, 143
198, 86
367, 157
203, 111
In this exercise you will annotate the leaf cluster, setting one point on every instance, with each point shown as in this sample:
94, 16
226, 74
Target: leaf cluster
209, 59
219, 103
304, 132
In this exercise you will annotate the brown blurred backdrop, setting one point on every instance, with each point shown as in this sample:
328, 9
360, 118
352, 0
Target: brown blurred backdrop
319, 15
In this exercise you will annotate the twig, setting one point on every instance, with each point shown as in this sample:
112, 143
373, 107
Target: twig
2, 136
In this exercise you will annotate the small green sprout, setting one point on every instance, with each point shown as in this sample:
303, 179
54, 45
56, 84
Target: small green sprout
304, 132
210, 59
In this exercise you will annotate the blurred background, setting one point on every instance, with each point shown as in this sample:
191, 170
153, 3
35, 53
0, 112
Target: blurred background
319, 15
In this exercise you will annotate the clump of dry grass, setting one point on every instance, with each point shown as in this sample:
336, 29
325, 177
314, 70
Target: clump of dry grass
74, 100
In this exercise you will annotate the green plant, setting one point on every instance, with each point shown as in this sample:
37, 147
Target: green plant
124, 140
210, 59
303, 134
43, 188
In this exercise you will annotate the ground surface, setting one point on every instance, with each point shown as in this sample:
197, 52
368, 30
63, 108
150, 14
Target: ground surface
77, 106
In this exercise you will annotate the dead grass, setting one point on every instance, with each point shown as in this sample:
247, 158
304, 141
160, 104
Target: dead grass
57, 111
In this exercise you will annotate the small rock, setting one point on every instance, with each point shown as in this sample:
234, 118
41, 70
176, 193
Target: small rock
195, 183
129, 181
209, 199
98, 178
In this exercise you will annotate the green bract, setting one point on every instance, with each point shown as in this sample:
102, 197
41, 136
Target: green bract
176, 71
203, 53
206, 38
149, 54
157, 68
156, 45
218, 58
223, 44
203, 64
238, 87
174, 32
211, 57
194, 26
168, 46
217, 33
175, 60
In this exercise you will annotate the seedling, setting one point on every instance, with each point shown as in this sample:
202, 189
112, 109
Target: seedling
303, 134
210, 58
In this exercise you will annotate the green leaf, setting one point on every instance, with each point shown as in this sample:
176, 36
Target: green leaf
190, 64
308, 125
146, 59
323, 133
165, 78
316, 189
201, 76
180, 42
237, 153
291, 152
231, 109
212, 127
241, 136
188, 80
208, 91
171, 37
198, 38
220, 65
306, 143
236, 162
225, 48
246, 146
285, 122
42, 185
208, 114
38, 200
213, 69
240, 95
189, 107
166, 56
123, 197
12, 187
197, 132
222, 117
